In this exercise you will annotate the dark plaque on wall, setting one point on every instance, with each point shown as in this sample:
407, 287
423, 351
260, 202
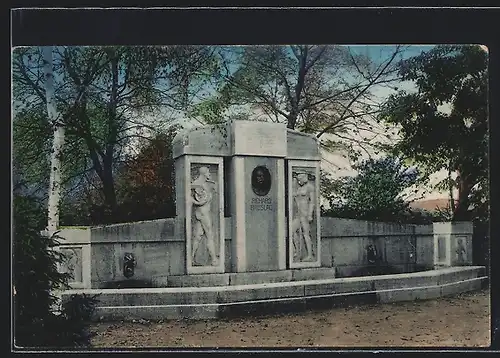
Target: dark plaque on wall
261, 180
129, 264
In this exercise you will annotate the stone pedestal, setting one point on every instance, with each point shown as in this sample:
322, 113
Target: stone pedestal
258, 196
452, 244
74, 244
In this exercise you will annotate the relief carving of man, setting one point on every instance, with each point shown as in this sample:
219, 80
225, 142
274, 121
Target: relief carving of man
304, 199
461, 251
72, 264
202, 195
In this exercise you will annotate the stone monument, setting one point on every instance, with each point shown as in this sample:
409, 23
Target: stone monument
246, 239
266, 178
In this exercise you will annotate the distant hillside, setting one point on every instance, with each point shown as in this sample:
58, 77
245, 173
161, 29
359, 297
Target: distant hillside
430, 204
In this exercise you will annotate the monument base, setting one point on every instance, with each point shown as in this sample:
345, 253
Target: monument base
279, 297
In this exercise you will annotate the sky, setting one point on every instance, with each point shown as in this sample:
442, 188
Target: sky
375, 52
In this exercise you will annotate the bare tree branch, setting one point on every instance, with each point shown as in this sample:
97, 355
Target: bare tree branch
372, 81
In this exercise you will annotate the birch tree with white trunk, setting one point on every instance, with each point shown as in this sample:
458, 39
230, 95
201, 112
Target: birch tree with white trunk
102, 96
58, 142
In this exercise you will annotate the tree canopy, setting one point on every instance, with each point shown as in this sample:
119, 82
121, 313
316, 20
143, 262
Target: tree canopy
317, 89
444, 123
111, 99
103, 95
378, 192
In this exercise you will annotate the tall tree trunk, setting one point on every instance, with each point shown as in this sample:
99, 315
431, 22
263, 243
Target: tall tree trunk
450, 187
107, 160
58, 143
292, 118
299, 86
108, 184
462, 206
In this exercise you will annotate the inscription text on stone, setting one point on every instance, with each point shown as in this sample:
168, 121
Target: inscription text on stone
259, 139
261, 204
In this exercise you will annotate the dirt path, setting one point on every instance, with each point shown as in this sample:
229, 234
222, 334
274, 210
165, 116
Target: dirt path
460, 321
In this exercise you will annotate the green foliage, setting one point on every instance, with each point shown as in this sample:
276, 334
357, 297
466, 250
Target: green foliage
103, 95
209, 111
375, 193
453, 78
35, 266
37, 322
32, 144
77, 210
74, 320
31, 135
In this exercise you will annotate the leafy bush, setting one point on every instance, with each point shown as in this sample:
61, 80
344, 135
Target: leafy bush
75, 315
38, 323
375, 193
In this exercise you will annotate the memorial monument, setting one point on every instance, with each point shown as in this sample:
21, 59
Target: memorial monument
249, 162
246, 239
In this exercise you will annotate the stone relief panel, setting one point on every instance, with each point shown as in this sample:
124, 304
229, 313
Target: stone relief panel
204, 215
73, 263
461, 251
441, 248
303, 212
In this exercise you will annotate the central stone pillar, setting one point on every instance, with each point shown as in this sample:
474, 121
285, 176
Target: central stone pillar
258, 200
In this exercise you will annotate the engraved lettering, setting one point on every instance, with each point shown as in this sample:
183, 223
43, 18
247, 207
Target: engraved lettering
258, 206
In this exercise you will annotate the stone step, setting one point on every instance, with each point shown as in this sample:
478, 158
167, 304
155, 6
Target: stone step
282, 305
243, 278
428, 278
278, 290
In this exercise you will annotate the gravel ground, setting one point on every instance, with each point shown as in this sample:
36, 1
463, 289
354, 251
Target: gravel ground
459, 321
